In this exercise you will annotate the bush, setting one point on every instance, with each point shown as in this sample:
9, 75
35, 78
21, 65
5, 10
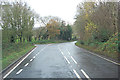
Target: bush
81, 42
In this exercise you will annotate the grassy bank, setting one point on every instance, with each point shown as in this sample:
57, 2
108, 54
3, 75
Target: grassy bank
48, 41
99, 49
11, 52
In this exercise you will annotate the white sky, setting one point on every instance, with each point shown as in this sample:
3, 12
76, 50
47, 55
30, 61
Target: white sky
64, 9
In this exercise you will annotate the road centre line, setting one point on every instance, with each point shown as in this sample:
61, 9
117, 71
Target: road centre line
104, 58
19, 63
19, 71
67, 60
26, 64
68, 51
73, 60
42, 49
77, 74
64, 56
85, 74
60, 51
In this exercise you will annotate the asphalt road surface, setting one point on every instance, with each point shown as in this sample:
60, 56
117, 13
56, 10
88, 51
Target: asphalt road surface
63, 60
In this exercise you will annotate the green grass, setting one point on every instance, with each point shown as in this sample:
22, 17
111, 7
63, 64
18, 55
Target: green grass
48, 41
11, 52
97, 49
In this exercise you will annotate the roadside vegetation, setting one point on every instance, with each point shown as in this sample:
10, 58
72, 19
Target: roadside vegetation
14, 51
97, 29
19, 34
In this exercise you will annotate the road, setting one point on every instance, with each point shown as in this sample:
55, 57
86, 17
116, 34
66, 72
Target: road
63, 60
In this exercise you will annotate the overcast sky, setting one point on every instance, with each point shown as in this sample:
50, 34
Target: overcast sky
64, 9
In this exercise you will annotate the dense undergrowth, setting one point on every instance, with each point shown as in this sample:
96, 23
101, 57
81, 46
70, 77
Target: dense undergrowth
13, 51
109, 48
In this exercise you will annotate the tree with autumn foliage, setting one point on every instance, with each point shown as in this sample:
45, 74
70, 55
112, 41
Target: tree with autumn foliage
97, 25
53, 29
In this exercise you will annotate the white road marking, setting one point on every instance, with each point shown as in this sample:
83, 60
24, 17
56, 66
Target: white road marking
76, 74
36, 54
67, 60
34, 57
42, 49
60, 51
85, 74
105, 58
68, 51
31, 60
19, 71
19, 63
26, 64
73, 60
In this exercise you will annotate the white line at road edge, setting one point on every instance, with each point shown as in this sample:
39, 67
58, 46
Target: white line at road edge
19, 63
73, 60
76, 74
85, 74
26, 64
22, 61
104, 58
67, 60
19, 71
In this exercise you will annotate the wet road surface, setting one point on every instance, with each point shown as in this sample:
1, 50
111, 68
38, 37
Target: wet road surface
64, 60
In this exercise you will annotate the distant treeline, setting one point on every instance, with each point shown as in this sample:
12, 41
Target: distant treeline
18, 20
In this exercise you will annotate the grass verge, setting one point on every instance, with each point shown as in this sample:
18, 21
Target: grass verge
49, 41
12, 52
111, 55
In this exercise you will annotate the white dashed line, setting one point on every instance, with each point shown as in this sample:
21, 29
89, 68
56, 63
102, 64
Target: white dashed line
26, 64
73, 60
85, 74
34, 57
31, 59
61, 51
22, 61
67, 60
76, 74
36, 54
19, 71
19, 63
68, 51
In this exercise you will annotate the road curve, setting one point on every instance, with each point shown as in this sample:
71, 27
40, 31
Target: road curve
64, 60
